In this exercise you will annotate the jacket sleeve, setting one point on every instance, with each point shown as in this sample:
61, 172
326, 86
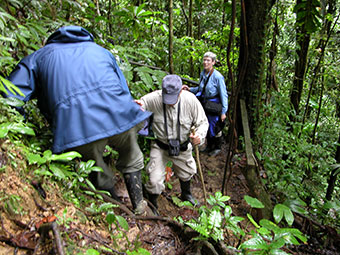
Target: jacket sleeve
194, 90
24, 78
223, 94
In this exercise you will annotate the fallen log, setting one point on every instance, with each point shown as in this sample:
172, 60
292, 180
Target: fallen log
251, 173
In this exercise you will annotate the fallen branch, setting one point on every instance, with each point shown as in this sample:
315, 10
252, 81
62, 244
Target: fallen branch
45, 228
156, 218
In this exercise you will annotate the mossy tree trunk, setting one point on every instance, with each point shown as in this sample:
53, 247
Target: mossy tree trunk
250, 79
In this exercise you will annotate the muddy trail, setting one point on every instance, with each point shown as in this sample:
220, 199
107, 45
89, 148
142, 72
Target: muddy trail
27, 204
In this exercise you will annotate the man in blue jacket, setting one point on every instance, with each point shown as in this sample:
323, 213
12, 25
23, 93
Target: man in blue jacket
84, 96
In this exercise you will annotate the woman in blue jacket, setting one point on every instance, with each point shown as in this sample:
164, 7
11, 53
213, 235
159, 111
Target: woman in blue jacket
212, 88
84, 96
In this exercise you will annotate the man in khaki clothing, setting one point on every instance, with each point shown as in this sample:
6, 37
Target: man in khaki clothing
175, 113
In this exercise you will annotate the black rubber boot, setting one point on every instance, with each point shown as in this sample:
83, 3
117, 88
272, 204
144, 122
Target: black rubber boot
209, 145
218, 144
153, 198
186, 193
133, 183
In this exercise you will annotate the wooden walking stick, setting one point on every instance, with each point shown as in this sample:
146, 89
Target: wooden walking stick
199, 168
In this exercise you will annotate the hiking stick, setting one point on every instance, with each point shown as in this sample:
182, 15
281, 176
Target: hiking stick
200, 169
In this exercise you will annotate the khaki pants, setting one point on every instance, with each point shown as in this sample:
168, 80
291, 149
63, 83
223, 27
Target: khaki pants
184, 167
130, 157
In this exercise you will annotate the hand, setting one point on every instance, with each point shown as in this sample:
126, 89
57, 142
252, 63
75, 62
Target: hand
139, 102
185, 87
195, 139
223, 117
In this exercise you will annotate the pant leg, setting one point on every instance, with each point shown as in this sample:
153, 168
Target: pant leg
156, 169
130, 157
94, 151
184, 165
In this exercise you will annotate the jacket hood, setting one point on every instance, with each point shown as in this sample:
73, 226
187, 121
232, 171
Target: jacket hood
70, 34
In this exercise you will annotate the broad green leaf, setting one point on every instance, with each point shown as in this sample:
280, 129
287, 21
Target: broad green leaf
92, 252
3, 131
140, 251
16, 128
269, 225
278, 213
10, 86
253, 202
35, 159
146, 78
122, 222
20, 128
13, 101
296, 205
281, 210
105, 206
97, 169
264, 231
89, 183
289, 234
68, 156
215, 219
58, 172
277, 244
256, 243
47, 154
110, 218
236, 219
290, 239
227, 211
90, 163
297, 233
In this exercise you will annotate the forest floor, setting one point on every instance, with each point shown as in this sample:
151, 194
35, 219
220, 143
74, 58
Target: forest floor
23, 210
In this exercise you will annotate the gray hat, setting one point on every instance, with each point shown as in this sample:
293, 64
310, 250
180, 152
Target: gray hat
171, 87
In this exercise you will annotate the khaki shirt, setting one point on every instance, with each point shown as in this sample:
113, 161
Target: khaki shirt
191, 115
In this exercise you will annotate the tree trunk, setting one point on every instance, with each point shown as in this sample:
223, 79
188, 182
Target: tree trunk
171, 37
190, 34
250, 79
223, 12
255, 27
302, 46
271, 82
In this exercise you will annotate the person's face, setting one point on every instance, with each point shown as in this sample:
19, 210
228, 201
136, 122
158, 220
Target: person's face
208, 64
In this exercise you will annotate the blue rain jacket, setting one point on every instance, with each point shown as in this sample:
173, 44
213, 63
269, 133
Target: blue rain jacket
80, 89
215, 88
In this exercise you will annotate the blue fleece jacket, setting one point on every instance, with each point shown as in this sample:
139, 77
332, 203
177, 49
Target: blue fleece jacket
80, 89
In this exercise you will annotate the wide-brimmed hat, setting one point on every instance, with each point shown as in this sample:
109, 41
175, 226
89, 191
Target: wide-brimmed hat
171, 87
